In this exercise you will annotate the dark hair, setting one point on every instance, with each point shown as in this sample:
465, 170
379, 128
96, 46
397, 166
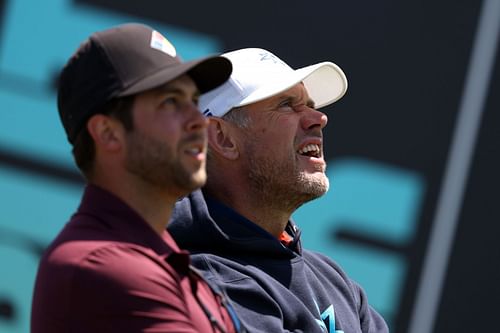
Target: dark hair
84, 147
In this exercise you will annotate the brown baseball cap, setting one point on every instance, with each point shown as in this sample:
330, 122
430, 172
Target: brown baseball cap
123, 61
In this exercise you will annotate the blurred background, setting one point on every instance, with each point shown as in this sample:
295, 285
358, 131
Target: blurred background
413, 149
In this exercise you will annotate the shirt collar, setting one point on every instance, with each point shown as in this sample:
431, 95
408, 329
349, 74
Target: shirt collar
116, 215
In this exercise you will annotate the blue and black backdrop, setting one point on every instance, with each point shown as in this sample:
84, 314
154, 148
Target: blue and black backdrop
413, 149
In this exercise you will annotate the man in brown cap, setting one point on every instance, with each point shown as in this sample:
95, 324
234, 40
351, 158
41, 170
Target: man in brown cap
128, 105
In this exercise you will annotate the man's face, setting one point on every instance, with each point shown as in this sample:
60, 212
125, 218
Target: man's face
283, 148
167, 147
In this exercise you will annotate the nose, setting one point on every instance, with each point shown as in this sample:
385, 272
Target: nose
314, 118
196, 121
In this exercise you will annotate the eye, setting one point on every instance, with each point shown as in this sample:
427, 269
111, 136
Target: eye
170, 100
287, 103
196, 99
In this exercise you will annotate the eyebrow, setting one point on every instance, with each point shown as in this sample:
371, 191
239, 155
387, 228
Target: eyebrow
168, 88
310, 103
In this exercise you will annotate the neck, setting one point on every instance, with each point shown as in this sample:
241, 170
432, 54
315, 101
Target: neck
153, 204
265, 213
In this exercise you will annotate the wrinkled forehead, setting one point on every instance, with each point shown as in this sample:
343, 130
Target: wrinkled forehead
297, 94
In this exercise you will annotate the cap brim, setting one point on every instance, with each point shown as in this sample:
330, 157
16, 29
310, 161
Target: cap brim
325, 83
207, 73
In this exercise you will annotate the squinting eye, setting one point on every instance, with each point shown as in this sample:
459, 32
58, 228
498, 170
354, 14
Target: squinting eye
285, 104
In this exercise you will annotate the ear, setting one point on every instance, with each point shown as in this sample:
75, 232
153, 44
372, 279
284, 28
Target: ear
108, 133
221, 138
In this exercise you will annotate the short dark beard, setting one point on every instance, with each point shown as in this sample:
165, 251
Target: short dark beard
156, 164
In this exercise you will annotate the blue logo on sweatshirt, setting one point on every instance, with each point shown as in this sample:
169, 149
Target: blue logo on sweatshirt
327, 321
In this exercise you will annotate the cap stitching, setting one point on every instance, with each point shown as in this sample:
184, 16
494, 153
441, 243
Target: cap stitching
107, 56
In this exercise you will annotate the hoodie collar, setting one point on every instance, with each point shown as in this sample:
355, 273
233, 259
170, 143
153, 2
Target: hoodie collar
203, 224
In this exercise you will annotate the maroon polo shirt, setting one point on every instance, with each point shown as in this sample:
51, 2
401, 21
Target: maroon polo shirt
109, 271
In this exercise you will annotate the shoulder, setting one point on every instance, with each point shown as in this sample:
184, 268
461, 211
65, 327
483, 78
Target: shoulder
323, 265
219, 268
322, 262
75, 281
126, 265
90, 247
106, 265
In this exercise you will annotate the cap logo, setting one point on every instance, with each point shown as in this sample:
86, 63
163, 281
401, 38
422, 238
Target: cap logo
207, 113
266, 56
162, 44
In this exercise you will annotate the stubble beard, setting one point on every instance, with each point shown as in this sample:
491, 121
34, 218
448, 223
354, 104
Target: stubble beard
157, 164
280, 184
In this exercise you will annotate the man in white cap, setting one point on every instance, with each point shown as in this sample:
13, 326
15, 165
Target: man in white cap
265, 160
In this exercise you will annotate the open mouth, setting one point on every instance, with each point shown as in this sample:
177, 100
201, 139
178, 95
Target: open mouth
310, 150
196, 150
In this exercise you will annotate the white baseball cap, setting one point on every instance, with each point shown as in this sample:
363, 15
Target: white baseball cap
258, 74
